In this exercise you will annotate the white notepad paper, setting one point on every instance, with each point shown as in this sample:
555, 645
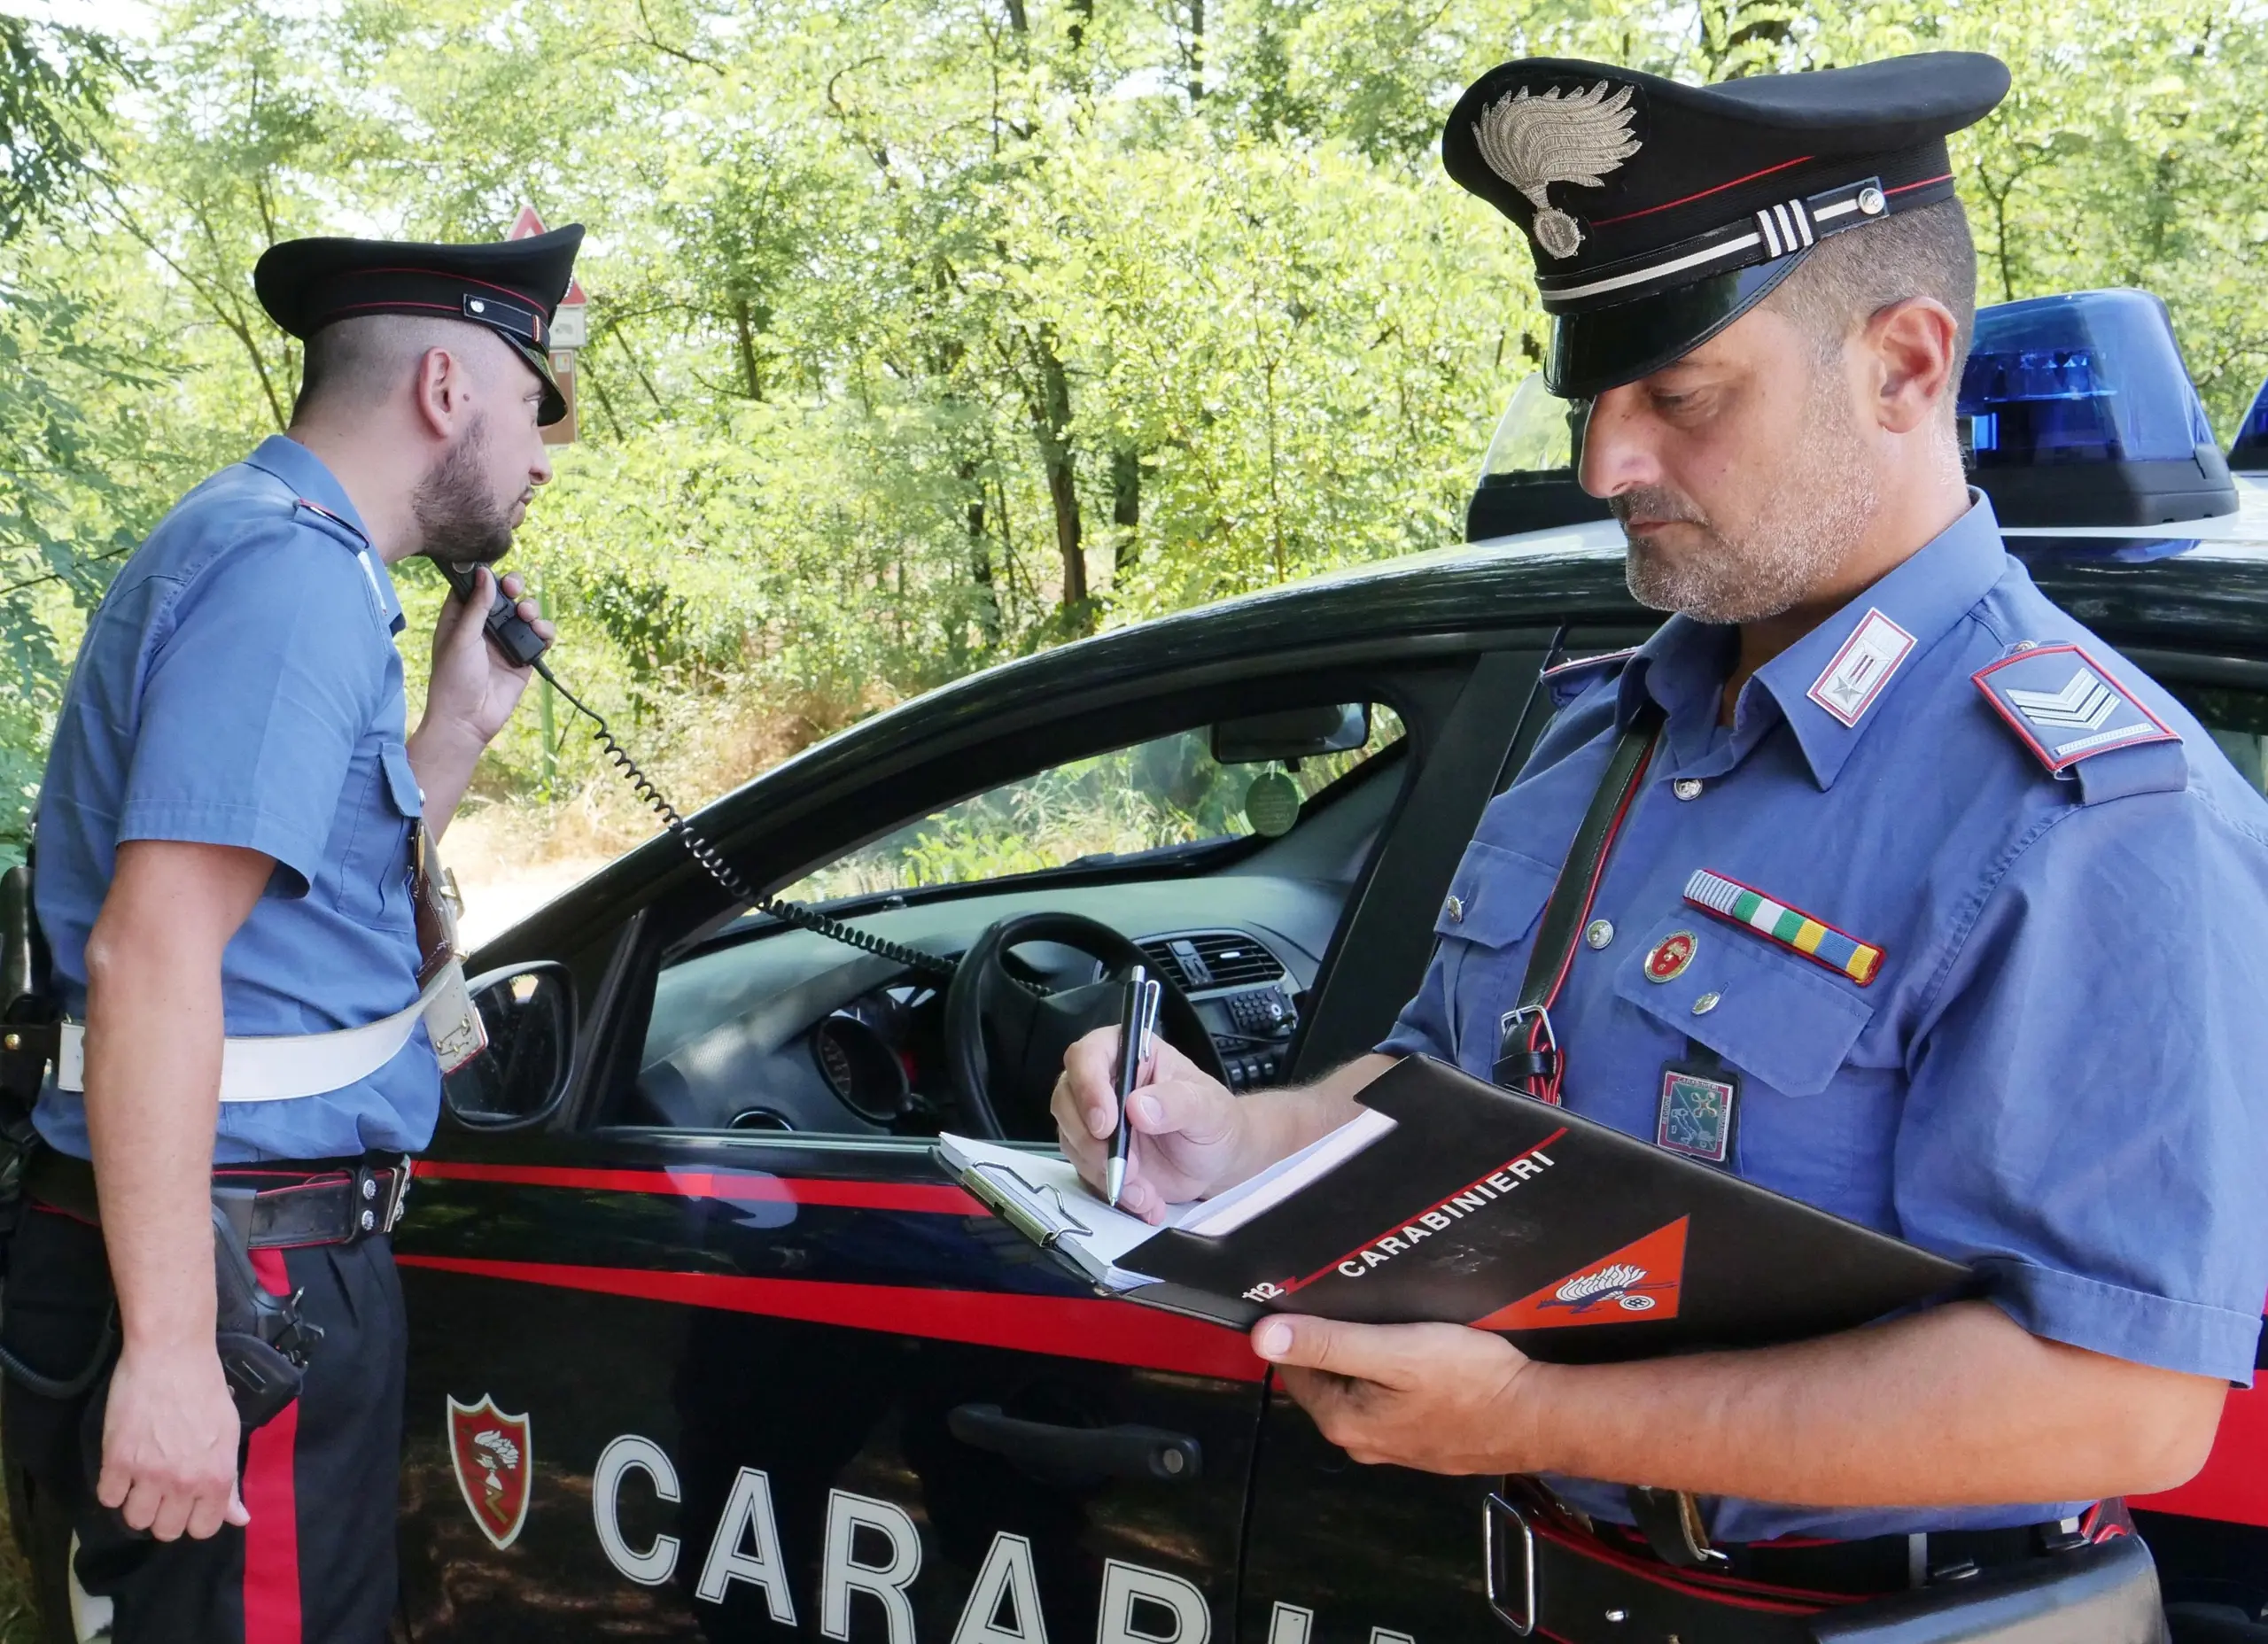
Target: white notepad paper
1040, 1193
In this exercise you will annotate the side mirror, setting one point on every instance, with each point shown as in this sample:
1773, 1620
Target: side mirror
521, 1078
1292, 735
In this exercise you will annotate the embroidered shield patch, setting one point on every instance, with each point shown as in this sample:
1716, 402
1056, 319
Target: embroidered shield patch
494, 1466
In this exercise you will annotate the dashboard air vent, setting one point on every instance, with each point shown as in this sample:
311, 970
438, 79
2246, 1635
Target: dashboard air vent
1204, 960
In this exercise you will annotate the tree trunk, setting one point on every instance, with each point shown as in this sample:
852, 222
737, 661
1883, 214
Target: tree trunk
1126, 502
744, 327
1050, 415
980, 557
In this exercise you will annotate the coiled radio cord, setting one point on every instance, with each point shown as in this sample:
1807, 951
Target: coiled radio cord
723, 872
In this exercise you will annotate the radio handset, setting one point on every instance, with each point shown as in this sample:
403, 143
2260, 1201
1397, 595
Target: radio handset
515, 639
519, 643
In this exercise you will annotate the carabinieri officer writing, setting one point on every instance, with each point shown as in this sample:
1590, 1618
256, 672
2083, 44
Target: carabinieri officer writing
1925, 907
229, 842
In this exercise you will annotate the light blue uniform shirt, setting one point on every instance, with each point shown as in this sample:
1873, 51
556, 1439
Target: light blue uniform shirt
239, 685
2055, 1075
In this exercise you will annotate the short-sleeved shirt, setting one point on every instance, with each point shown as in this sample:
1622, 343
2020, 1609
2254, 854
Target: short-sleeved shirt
239, 685
2055, 1072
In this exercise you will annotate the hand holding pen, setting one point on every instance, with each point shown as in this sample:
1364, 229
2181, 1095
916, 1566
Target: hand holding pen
1137, 1021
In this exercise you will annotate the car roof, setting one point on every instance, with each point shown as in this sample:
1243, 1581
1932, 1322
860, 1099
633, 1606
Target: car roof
2198, 586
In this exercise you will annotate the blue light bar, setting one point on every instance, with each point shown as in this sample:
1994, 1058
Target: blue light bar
2249, 451
2079, 411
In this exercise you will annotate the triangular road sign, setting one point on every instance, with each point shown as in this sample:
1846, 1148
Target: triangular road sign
527, 226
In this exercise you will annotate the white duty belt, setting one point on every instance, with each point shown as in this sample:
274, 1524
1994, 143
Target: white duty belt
286, 1067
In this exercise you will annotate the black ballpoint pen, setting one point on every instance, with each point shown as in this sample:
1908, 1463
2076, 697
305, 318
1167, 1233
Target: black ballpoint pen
1137, 1015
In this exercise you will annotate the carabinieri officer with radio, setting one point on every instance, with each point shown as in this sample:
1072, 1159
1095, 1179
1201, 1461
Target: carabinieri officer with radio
1872, 876
230, 843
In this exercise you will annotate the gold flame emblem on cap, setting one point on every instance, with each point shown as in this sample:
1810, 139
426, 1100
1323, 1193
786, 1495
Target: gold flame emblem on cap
1578, 137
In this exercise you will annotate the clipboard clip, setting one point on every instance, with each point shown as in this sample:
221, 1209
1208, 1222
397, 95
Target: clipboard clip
1030, 1214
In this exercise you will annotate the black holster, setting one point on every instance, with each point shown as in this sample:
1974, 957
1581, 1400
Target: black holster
28, 1012
263, 1342
29, 1020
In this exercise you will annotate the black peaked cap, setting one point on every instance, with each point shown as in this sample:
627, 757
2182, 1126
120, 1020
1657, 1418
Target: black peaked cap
1661, 213
513, 287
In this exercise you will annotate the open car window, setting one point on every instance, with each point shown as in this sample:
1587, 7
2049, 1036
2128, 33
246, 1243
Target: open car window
764, 1027
1154, 797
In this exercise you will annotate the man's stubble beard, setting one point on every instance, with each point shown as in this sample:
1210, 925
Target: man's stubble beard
460, 522
1820, 502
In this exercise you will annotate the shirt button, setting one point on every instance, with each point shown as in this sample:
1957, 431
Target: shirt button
1599, 933
1455, 908
1687, 788
1705, 1003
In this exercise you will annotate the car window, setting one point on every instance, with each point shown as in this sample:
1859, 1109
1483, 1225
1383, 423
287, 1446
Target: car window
2238, 720
1151, 796
766, 1029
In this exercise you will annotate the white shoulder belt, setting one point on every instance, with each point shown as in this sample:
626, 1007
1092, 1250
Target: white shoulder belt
287, 1067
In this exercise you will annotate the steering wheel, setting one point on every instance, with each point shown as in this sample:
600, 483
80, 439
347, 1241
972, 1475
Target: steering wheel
1005, 1044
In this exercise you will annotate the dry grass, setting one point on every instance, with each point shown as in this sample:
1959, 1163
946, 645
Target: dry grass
512, 856
18, 1621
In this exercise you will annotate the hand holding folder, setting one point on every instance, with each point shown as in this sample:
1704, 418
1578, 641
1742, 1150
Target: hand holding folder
1448, 1200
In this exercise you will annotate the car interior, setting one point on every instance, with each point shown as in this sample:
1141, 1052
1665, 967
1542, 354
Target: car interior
1226, 857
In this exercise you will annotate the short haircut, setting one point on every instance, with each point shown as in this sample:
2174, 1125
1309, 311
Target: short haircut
366, 358
1852, 276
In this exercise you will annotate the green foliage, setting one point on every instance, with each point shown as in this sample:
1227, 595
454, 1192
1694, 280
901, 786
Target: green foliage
1146, 797
926, 332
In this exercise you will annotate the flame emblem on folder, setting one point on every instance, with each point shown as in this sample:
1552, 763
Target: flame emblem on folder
1636, 1284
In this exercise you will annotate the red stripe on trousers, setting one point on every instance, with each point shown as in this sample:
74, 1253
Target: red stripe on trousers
272, 1539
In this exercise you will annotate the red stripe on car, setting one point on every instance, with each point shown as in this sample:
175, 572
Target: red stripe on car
746, 1187
2233, 1486
1072, 1327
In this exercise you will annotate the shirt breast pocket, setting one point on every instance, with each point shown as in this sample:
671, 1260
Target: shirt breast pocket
1789, 1030
374, 874
1485, 925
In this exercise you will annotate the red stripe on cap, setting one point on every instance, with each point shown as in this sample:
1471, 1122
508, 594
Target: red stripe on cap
745, 1187
1633, 216
1908, 188
394, 306
1070, 1326
271, 1592
461, 279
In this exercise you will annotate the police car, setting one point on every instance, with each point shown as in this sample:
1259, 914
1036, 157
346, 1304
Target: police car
703, 1345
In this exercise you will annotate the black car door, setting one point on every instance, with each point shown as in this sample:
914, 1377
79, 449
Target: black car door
705, 1381
761, 1386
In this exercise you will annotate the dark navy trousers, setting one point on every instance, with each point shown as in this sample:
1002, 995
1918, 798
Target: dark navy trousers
317, 1566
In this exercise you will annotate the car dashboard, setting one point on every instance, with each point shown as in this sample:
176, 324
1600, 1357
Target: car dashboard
786, 1030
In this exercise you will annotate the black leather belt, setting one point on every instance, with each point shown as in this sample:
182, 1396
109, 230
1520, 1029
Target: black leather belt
1555, 1577
295, 1203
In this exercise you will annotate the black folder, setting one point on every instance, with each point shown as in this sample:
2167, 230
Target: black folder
1452, 1200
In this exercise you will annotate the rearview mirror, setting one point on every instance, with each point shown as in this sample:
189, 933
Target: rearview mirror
521, 1078
1291, 735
